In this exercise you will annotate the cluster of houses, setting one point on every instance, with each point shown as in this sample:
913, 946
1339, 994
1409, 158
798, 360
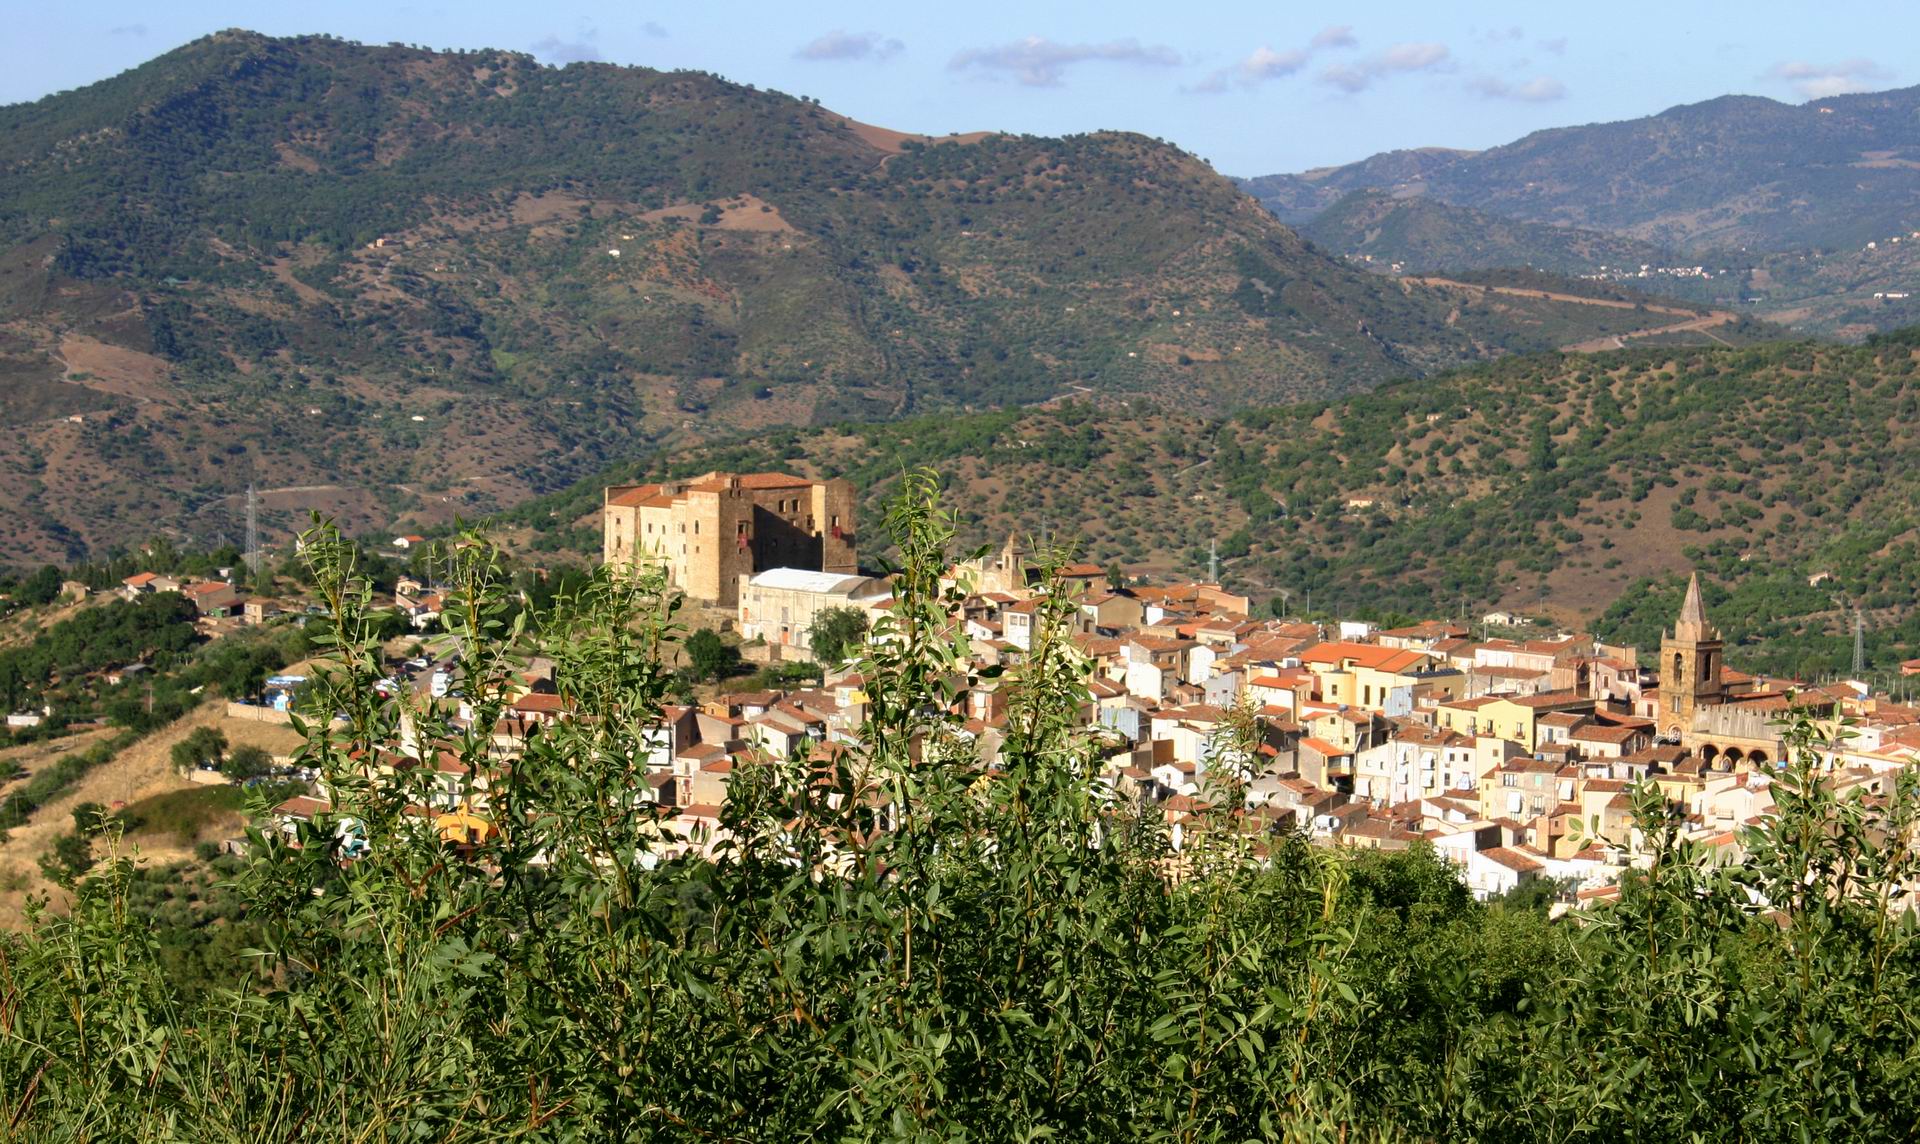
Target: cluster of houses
1514, 758
214, 598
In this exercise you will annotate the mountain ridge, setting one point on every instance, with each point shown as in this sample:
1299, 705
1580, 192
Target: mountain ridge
417, 283
1729, 171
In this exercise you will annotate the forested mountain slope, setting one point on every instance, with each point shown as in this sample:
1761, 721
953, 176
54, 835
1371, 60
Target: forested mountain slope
1424, 235
1552, 483
385, 279
1737, 171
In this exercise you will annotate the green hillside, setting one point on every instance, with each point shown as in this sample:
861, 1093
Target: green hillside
396, 284
1424, 236
1552, 484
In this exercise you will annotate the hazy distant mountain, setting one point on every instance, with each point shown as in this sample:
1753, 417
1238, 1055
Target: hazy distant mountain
1423, 235
1738, 171
395, 281
1296, 199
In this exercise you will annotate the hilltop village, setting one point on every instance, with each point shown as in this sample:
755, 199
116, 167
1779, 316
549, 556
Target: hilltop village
1512, 757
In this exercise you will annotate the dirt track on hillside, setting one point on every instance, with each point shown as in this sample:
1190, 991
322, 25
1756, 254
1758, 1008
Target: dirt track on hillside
1694, 319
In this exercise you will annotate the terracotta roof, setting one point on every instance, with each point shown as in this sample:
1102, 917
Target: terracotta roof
1604, 734
1371, 656
303, 806
716, 482
1551, 699
539, 701
1512, 859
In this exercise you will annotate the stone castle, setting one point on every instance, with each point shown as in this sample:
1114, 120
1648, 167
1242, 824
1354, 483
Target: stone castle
710, 530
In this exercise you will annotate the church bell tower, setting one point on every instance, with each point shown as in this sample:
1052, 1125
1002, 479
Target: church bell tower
1690, 662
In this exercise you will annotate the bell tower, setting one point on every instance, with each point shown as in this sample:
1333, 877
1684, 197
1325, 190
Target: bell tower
1689, 665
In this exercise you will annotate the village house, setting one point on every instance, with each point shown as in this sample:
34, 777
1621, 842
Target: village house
213, 599
147, 583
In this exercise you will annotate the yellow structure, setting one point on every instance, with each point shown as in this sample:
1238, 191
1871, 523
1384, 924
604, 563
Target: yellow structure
1514, 718
1383, 679
1690, 666
711, 530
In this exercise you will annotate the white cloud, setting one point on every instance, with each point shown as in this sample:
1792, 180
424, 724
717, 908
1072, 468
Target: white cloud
555, 50
1264, 63
1819, 81
1413, 57
1039, 62
1333, 36
1539, 89
1556, 46
655, 29
841, 45
1396, 60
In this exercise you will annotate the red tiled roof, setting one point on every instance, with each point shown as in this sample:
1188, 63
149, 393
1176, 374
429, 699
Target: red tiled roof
1512, 859
1324, 747
1372, 656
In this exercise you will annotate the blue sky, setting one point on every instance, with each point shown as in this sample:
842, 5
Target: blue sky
1253, 87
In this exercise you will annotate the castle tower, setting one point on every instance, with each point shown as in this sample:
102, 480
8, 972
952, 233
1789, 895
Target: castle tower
1690, 662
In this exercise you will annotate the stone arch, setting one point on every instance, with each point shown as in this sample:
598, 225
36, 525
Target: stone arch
1733, 757
1708, 753
1758, 759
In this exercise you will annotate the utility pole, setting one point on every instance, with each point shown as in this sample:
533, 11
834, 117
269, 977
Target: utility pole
1859, 643
253, 536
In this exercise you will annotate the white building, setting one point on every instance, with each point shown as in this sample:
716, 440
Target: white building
779, 605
